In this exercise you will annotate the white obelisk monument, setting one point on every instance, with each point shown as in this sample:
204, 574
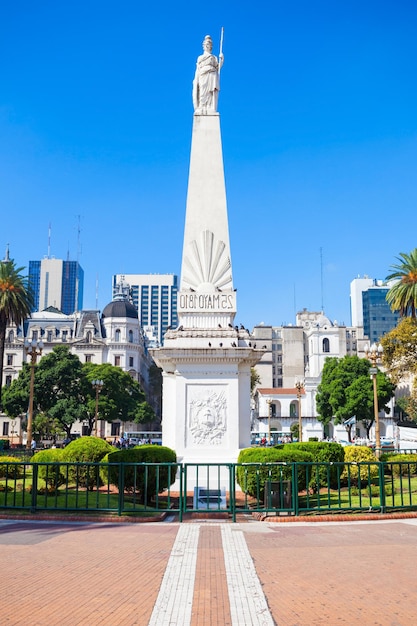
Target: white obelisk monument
207, 360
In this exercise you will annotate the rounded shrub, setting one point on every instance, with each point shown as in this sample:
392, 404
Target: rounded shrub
10, 469
325, 475
85, 450
360, 465
256, 466
50, 469
401, 464
138, 476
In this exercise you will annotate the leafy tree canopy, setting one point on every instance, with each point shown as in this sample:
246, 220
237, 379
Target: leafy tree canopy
346, 390
63, 391
400, 349
402, 296
16, 301
121, 397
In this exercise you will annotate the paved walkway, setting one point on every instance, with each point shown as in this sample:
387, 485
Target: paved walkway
209, 573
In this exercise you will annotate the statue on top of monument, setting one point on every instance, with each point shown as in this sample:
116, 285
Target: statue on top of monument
206, 84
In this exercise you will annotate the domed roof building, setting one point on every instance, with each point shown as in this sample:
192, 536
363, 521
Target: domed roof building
120, 307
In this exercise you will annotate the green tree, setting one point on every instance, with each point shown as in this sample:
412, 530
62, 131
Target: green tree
155, 387
63, 391
16, 302
402, 296
346, 390
121, 397
16, 396
59, 389
400, 349
255, 379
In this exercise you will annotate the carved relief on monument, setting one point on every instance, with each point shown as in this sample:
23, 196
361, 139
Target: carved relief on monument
207, 263
207, 417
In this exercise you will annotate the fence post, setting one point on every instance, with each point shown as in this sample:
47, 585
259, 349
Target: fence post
294, 480
232, 490
34, 492
180, 503
121, 487
381, 477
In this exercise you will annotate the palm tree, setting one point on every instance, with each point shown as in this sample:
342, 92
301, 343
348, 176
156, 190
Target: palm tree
402, 296
16, 302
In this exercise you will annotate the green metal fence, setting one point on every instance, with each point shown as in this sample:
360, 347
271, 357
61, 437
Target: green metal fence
147, 489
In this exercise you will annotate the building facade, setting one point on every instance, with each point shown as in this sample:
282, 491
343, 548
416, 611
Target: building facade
114, 337
155, 299
57, 283
370, 309
297, 354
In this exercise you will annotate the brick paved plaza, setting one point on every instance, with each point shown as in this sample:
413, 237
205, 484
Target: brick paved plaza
209, 573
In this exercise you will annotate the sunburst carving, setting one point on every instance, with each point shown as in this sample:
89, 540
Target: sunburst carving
207, 261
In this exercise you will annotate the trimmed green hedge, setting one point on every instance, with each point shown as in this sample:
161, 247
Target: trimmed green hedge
323, 452
408, 464
54, 475
354, 456
85, 449
147, 480
11, 472
252, 478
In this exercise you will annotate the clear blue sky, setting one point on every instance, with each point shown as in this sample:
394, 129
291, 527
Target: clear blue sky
318, 110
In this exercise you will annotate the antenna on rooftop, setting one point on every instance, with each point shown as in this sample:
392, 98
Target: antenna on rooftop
48, 256
97, 292
77, 280
321, 280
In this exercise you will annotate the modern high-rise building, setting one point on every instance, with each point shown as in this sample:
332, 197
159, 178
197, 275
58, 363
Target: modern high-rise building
57, 283
155, 298
370, 309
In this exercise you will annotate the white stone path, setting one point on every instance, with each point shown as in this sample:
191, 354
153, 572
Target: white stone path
248, 606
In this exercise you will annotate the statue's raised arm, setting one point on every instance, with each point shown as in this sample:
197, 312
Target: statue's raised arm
206, 84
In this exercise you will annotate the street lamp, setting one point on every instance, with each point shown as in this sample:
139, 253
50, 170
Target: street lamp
33, 349
269, 403
299, 385
98, 386
374, 354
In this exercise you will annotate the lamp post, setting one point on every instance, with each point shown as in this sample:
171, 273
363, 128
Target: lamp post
269, 403
98, 386
12, 434
299, 385
374, 354
33, 349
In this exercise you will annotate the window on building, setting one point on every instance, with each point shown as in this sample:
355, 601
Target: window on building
115, 429
11, 336
34, 335
117, 361
10, 359
84, 430
5, 429
88, 336
64, 335
88, 358
8, 380
326, 345
131, 361
49, 336
130, 336
117, 334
